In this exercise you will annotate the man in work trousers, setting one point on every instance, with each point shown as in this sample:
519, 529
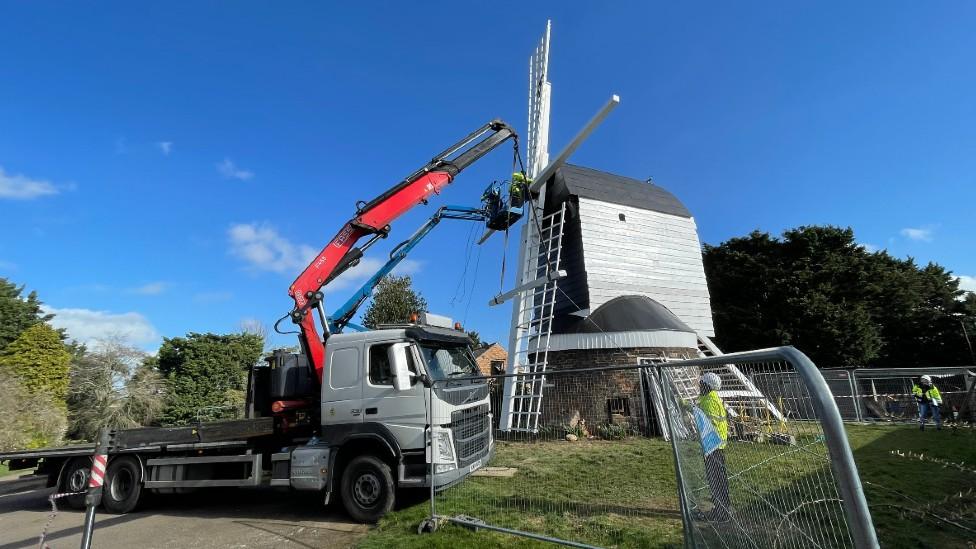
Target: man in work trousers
718, 479
929, 400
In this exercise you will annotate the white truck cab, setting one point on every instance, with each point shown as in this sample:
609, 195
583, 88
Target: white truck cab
384, 395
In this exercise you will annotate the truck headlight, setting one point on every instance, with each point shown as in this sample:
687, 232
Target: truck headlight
444, 459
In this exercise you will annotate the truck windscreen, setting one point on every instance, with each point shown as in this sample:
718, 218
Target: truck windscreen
447, 362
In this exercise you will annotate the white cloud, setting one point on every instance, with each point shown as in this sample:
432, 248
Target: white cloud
229, 170
918, 234
870, 248
152, 288
264, 249
88, 326
165, 147
21, 187
967, 283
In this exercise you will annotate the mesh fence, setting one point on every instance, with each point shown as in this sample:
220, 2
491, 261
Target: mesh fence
597, 473
886, 394
767, 481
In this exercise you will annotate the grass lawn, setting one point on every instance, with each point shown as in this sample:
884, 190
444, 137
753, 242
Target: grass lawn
908, 495
630, 497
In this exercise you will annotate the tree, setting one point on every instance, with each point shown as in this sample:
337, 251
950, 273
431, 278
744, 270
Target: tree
16, 312
817, 289
206, 375
29, 421
393, 302
115, 386
255, 327
476, 342
39, 360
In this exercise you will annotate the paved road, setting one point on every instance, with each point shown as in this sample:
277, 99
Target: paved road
208, 519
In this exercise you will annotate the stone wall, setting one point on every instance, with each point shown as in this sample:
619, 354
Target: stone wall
600, 397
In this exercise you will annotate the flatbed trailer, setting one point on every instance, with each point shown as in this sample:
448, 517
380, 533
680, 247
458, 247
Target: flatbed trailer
240, 444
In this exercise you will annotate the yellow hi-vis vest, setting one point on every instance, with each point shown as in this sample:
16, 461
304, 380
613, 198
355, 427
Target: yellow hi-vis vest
714, 408
932, 394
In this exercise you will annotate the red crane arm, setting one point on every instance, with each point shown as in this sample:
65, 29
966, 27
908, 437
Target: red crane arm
374, 219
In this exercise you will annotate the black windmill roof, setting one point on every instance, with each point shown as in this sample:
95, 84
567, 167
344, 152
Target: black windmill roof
616, 189
632, 313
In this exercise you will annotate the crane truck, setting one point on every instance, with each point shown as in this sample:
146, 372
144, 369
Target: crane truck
353, 416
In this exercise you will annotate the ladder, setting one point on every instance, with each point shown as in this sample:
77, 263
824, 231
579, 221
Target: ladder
523, 388
737, 390
682, 380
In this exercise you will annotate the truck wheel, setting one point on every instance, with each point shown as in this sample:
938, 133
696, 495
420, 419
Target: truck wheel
74, 478
123, 485
367, 489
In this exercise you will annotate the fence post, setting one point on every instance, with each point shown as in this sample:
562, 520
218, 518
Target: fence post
685, 514
96, 479
430, 523
851, 376
841, 458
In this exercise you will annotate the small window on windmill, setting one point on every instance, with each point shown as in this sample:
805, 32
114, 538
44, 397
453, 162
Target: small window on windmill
618, 406
622, 217
497, 367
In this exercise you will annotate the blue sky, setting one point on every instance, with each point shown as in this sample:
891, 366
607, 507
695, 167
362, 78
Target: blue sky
166, 168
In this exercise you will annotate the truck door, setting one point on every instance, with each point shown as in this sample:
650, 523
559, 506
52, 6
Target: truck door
403, 412
342, 398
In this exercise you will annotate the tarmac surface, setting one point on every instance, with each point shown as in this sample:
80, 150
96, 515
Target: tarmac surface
235, 518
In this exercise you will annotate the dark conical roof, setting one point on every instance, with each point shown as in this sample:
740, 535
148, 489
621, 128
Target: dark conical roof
617, 189
631, 313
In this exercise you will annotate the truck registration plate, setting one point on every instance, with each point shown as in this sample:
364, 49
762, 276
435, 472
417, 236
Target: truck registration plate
474, 466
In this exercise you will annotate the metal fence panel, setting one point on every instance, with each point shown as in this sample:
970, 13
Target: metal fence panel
787, 482
885, 394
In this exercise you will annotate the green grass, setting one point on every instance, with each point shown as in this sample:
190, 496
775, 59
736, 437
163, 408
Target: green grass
907, 495
600, 492
623, 493
4, 470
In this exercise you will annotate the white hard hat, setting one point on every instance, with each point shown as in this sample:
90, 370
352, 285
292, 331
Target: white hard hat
712, 380
926, 379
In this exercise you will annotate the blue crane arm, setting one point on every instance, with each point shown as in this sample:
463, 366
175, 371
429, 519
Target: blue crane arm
341, 317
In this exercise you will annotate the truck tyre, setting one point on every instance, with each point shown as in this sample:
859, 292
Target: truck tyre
74, 478
123, 485
368, 491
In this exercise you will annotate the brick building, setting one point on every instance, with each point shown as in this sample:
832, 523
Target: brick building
491, 359
623, 329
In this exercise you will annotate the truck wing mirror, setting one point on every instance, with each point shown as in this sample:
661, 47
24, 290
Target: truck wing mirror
402, 376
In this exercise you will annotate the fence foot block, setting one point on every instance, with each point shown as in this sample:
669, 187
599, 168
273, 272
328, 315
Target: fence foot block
429, 525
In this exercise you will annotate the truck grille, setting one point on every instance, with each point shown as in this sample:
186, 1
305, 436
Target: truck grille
471, 428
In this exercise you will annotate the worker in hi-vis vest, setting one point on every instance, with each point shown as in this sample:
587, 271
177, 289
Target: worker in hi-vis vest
929, 401
713, 445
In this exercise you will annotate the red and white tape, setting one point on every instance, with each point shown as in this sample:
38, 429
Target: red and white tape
98, 471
